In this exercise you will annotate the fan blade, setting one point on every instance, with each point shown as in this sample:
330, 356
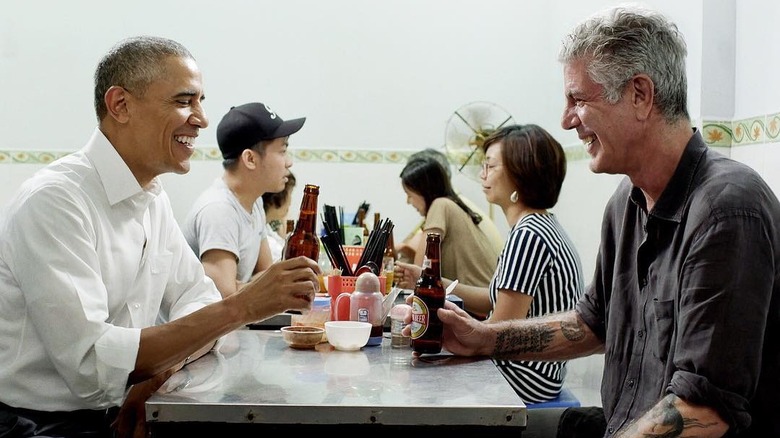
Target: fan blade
466, 131
474, 151
502, 123
466, 122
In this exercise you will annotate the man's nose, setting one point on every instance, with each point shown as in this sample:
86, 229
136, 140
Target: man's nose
570, 119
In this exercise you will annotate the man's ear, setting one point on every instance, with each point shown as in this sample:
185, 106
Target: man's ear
642, 91
249, 158
116, 103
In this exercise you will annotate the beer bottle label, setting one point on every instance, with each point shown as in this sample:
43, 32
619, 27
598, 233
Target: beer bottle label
420, 317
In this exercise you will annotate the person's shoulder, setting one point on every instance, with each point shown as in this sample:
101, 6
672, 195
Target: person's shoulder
68, 176
726, 182
443, 202
214, 196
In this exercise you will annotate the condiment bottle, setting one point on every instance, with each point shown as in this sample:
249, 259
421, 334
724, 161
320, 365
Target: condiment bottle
428, 297
388, 262
304, 241
365, 304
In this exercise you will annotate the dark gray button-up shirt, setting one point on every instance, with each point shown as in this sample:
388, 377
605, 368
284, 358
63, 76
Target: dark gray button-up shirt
687, 297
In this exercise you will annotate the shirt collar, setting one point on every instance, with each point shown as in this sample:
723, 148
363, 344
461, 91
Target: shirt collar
118, 181
672, 201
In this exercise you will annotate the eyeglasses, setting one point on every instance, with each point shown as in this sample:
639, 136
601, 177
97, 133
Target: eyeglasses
487, 167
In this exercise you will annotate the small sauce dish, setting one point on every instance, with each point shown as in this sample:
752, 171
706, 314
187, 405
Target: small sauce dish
302, 336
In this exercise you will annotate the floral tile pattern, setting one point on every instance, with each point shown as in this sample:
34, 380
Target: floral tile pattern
716, 133
772, 127
748, 131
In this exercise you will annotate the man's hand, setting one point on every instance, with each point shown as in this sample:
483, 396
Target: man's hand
406, 274
463, 335
131, 419
286, 285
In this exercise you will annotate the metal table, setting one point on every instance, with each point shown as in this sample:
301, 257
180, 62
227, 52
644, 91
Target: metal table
256, 383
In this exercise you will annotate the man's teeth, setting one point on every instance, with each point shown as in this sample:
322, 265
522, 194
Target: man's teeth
186, 140
587, 141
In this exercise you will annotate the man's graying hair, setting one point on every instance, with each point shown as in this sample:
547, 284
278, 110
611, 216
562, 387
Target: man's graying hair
133, 64
624, 41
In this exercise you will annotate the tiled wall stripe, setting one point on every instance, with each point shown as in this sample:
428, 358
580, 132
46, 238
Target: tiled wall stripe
735, 133
720, 134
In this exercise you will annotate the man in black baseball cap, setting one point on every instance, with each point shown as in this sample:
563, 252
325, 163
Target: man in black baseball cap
226, 226
245, 125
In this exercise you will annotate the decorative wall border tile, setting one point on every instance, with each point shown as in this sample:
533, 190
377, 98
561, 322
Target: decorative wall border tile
772, 127
748, 131
716, 133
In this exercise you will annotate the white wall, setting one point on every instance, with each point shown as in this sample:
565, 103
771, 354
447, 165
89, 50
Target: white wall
367, 75
376, 75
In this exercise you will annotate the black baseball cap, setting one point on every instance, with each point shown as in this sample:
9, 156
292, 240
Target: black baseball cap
245, 125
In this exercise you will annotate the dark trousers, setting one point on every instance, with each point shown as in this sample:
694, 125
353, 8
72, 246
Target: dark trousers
585, 422
28, 423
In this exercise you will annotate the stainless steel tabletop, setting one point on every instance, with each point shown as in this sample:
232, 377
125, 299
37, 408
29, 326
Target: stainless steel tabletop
255, 377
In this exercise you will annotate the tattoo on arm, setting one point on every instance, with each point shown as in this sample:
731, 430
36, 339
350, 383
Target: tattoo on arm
531, 339
572, 329
665, 420
536, 337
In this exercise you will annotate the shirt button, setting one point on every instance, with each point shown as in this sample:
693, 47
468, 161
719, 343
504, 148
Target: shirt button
611, 430
136, 306
640, 334
643, 283
631, 383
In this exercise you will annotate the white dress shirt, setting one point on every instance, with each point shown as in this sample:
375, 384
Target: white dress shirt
87, 258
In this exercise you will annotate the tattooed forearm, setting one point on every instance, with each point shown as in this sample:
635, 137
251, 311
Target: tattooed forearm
665, 420
529, 339
572, 329
539, 336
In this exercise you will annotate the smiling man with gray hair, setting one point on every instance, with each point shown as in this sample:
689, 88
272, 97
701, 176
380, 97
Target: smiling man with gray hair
685, 300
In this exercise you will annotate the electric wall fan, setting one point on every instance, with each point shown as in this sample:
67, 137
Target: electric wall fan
466, 131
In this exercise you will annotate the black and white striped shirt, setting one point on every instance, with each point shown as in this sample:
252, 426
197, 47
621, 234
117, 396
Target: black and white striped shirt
539, 260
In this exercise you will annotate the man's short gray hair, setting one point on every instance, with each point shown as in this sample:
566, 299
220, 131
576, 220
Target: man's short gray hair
625, 41
133, 64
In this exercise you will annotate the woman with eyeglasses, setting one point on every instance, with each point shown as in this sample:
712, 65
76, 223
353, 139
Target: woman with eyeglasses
539, 270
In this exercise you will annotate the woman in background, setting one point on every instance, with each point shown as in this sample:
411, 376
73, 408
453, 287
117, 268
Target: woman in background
470, 243
276, 207
539, 270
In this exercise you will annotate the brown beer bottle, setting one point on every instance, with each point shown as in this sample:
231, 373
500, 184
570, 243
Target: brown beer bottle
304, 241
427, 299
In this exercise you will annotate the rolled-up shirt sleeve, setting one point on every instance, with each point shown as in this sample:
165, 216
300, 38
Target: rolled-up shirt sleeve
728, 280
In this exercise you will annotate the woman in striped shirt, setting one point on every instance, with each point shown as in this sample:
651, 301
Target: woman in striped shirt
539, 270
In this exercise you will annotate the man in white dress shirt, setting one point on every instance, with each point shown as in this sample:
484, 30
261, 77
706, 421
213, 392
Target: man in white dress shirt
91, 258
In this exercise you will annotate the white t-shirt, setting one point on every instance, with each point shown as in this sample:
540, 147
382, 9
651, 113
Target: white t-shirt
217, 220
276, 243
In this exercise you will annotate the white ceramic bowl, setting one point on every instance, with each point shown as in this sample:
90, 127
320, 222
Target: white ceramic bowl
347, 335
301, 336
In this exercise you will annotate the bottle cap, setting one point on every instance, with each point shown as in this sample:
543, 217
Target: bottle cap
367, 282
399, 311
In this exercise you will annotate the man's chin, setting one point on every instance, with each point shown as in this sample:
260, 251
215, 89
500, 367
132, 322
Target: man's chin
182, 168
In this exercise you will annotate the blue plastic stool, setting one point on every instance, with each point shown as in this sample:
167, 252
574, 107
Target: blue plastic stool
566, 399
